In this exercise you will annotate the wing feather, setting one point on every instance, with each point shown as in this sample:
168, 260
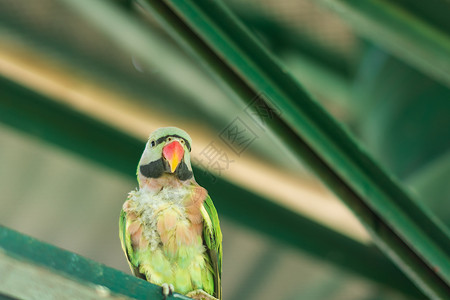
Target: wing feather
212, 236
125, 241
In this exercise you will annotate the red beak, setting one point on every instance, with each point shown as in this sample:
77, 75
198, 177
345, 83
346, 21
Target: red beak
173, 153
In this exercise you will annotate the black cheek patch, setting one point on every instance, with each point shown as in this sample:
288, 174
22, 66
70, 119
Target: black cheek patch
157, 168
154, 169
182, 172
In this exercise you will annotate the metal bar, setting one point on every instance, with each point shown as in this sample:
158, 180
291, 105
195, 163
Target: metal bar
312, 64
50, 121
30, 269
39, 116
401, 31
289, 40
406, 232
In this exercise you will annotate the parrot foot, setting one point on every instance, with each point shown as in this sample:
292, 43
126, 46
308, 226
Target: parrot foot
200, 295
167, 289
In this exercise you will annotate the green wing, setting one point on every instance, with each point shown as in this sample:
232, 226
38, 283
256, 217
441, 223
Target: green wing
213, 240
125, 241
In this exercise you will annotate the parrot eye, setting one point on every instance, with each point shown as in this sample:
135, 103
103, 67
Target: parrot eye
182, 142
169, 139
152, 144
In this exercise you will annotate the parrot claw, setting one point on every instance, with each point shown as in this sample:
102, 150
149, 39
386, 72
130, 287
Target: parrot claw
200, 295
167, 289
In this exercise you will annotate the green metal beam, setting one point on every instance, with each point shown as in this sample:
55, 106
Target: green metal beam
434, 12
312, 64
30, 269
408, 31
405, 231
52, 122
105, 65
280, 38
152, 50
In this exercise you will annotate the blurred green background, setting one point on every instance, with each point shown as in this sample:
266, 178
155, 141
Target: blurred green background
68, 75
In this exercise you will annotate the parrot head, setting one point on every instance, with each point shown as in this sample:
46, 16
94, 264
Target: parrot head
166, 152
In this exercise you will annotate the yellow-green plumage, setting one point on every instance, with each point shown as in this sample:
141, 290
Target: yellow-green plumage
170, 233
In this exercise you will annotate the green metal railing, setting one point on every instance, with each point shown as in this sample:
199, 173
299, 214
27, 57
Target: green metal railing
53, 273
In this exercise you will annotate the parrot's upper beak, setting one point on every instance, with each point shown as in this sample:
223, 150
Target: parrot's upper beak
173, 153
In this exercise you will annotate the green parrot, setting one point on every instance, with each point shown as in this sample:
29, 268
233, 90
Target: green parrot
169, 228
